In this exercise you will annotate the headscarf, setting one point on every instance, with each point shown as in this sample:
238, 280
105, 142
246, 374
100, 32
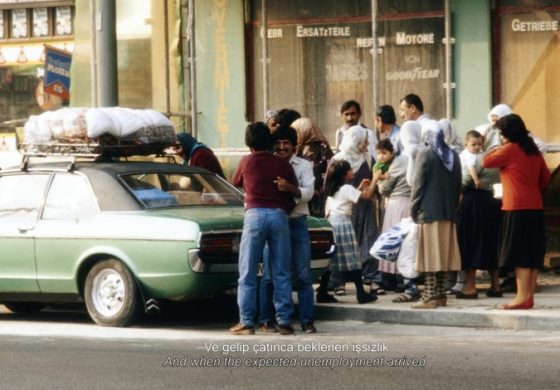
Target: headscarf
349, 151
434, 139
499, 110
189, 144
410, 139
450, 135
307, 133
269, 114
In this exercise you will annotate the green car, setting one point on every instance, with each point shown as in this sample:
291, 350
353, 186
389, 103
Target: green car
121, 236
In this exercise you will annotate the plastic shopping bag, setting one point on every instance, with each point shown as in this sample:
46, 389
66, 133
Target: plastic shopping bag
388, 244
406, 259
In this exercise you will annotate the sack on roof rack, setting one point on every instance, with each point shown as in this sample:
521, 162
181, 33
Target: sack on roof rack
108, 131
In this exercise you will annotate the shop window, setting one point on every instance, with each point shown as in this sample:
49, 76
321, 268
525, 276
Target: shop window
19, 24
527, 63
2, 25
40, 22
320, 55
63, 19
37, 23
411, 55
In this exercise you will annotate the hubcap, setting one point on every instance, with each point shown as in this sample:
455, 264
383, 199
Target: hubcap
108, 292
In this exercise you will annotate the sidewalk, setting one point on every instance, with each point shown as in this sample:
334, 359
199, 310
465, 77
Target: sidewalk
476, 313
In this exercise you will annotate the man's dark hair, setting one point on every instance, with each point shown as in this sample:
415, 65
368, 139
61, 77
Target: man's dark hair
386, 113
385, 144
286, 116
258, 137
413, 99
285, 132
351, 103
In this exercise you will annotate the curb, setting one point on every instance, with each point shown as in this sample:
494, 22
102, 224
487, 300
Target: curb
494, 319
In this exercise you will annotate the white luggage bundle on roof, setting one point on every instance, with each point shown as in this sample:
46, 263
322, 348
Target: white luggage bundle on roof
111, 131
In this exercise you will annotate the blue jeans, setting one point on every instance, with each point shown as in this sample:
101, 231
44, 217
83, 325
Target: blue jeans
301, 266
263, 226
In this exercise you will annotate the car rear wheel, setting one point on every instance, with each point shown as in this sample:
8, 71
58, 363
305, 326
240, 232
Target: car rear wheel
111, 294
25, 307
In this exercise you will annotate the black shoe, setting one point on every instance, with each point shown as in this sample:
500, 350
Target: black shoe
286, 329
326, 298
509, 285
366, 298
268, 327
494, 294
309, 328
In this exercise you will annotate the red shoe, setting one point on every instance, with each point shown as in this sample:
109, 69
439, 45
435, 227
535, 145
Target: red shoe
525, 305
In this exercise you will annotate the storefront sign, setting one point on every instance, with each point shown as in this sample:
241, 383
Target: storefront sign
368, 42
534, 25
403, 38
417, 73
321, 32
57, 72
275, 33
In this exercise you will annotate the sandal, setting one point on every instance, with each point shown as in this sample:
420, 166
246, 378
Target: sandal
374, 288
339, 291
405, 297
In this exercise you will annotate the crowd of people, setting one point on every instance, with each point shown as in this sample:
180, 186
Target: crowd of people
477, 205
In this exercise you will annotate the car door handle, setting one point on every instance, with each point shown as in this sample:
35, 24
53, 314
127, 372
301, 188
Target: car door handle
24, 229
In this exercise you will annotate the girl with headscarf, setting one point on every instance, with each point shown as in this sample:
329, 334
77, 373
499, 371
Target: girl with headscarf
435, 194
354, 149
313, 146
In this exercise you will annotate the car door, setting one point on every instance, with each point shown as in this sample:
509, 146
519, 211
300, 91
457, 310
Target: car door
65, 231
21, 196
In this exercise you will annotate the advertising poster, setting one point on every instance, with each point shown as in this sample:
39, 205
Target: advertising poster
57, 72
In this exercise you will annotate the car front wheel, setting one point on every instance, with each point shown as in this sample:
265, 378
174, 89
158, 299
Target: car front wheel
111, 294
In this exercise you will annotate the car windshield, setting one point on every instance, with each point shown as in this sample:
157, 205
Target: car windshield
162, 189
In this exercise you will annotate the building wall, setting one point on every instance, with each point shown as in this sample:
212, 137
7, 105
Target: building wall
472, 65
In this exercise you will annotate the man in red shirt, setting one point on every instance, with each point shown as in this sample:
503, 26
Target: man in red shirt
266, 222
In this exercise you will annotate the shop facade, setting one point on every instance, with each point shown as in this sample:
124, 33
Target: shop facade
26, 28
208, 65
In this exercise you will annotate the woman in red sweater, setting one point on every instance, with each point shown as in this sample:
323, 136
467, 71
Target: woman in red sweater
524, 175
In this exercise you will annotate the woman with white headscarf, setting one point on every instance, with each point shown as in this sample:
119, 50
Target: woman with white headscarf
410, 138
451, 137
435, 194
354, 149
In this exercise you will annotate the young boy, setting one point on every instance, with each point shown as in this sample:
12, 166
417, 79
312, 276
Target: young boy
471, 158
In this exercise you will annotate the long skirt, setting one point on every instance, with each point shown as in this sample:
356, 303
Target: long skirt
523, 240
347, 256
438, 249
478, 229
364, 221
396, 209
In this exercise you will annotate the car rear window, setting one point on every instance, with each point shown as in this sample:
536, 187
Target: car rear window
161, 189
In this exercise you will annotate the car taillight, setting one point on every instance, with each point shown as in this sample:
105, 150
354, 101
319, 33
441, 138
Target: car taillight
219, 245
322, 242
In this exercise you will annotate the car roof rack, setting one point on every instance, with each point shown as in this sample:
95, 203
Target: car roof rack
65, 152
93, 151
